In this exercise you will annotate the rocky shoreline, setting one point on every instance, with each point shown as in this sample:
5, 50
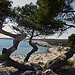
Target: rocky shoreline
36, 58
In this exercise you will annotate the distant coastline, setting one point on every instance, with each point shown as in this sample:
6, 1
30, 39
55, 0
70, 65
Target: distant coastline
7, 38
41, 39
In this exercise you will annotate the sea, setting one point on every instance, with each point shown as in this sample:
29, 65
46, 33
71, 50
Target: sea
23, 47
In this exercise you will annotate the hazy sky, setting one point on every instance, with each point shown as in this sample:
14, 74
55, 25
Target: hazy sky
22, 3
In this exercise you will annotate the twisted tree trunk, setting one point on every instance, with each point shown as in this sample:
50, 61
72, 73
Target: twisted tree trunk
7, 52
31, 52
60, 61
35, 48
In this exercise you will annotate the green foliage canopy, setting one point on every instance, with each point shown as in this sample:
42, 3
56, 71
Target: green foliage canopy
71, 40
23, 17
47, 17
51, 16
5, 10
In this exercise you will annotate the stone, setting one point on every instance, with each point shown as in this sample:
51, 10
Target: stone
64, 69
5, 73
49, 72
37, 67
29, 73
38, 73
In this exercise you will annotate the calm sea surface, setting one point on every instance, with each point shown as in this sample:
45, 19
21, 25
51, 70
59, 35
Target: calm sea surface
23, 47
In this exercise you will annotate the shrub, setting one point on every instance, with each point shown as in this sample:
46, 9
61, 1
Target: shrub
40, 63
59, 49
22, 62
69, 63
71, 40
34, 63
66, 49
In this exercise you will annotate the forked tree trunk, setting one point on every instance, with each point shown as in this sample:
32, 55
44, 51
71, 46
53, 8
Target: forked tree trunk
7, 52
60, 61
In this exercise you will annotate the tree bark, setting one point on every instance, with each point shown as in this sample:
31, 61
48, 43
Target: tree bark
18, 65
60, 61
35, 48
0, 25
31, 52
2, 18
7, 52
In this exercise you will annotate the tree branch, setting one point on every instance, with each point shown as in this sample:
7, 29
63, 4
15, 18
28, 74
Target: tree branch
7, 33
17, 39
18, 65
70, 25
67, 11
2, 20
7, 52
0, 25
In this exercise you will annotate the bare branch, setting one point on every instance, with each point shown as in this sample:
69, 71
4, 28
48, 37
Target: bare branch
63, 31
0, 26
70, 25
7, 33
66, 28
67, 11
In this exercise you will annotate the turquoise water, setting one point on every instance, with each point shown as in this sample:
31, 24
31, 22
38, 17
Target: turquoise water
23, 47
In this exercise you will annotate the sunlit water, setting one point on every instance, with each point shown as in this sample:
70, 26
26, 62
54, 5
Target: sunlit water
23, 47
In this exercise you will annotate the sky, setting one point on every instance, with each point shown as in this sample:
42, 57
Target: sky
22, 3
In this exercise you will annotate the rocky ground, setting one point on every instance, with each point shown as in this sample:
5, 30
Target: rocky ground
40, 58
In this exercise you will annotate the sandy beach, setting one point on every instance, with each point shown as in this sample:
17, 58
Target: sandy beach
43, 57
40, 57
